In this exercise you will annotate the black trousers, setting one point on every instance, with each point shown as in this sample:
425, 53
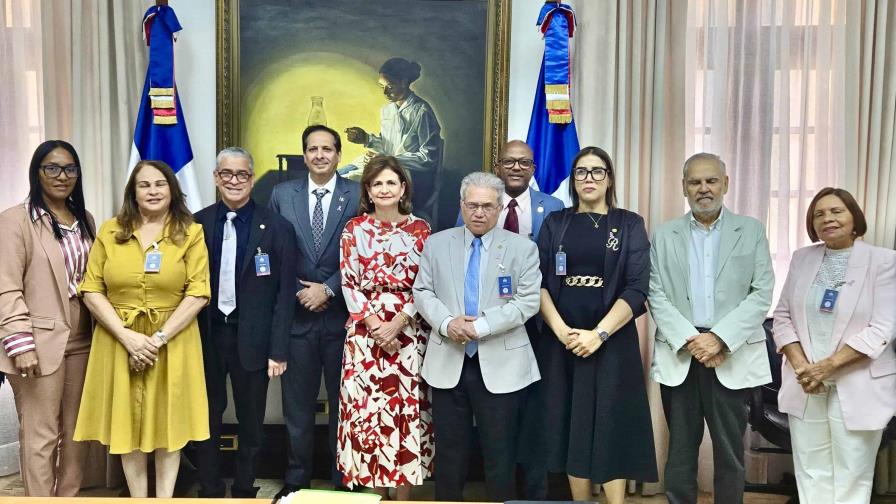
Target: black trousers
701, 396
497, 417
249, 398
310, 354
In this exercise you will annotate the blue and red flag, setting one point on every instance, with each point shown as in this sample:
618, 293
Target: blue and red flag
161, 132
552, 130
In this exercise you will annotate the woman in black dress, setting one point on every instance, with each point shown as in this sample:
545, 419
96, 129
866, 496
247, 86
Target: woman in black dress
595, 267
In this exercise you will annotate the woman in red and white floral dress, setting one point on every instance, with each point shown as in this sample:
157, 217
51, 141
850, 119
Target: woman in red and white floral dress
385, 423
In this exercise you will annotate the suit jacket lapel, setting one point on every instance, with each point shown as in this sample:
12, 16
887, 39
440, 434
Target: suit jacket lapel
611, 257
728, 241
256, 231
338, 203
681, 250
856, 272
208, 226
808, 269
303, 219
493, 264
57, 261
537, 217
457, 255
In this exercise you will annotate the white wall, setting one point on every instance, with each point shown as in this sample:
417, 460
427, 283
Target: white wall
194, 55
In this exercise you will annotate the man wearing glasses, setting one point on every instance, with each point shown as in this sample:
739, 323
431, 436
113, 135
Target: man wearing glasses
477, 285
523, 213
245, 327
524, 208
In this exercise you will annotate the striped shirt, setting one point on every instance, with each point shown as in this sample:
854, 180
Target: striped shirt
75, 248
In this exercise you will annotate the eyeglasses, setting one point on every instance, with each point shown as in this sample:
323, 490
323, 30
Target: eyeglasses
525, 163
54, 170
485, 207
597, 174
227, 175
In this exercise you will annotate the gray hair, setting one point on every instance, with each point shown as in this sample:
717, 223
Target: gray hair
237, 152
481, 179
703, 156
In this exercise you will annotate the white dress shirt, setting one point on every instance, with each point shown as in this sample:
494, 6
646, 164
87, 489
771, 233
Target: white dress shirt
703, 259
523, 212
325, 201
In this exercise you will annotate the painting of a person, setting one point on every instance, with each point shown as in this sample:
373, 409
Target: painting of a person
409, 131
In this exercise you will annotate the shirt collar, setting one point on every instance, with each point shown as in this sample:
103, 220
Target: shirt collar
712, 227
523, 200
331, 185
487, 238
38, 213
242, 213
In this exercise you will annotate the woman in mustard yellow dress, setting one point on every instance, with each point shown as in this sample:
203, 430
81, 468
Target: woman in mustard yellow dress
147, 278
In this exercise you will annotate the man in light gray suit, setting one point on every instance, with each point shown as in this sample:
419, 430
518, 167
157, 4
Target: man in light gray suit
477, 286
711, 286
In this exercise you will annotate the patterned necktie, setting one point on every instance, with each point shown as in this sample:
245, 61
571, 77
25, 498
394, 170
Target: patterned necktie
471, 291
317, 218
512, 222
227, 275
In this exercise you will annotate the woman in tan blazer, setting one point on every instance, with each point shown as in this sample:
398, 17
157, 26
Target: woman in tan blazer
44, 327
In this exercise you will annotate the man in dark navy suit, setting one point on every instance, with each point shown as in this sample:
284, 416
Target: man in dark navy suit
245, 327
318, 207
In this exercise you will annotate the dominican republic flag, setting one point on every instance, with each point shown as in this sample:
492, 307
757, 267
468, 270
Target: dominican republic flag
552, 130
161, 133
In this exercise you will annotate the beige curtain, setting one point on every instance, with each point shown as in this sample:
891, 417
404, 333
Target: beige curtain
870, 122
628, 87
72, 70
108, 60
21, 98
870, 131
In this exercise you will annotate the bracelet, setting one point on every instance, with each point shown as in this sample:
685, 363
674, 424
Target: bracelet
161, 335
404, 316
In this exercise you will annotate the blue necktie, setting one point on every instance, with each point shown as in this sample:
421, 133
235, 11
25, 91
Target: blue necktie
471, 291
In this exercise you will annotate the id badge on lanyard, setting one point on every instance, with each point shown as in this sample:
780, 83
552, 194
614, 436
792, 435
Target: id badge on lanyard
262, 264
153, 263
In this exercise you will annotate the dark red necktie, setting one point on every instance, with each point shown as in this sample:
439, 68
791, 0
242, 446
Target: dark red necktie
512, 222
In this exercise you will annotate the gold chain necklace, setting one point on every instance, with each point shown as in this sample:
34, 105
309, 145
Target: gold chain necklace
596, 222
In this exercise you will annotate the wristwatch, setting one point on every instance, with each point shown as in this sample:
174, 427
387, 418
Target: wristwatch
329, 291
161, 335
604, 335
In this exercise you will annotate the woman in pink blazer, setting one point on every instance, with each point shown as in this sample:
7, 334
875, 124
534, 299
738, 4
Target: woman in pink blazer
44, 327
835, 324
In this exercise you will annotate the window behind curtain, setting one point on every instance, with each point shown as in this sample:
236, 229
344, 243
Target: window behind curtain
765, 84
21, 95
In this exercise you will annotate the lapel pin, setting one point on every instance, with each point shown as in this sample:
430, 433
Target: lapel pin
339, 208
615, 230
540, 209
261, 226
341, 199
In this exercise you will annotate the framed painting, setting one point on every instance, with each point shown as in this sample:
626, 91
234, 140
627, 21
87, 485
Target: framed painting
423, 80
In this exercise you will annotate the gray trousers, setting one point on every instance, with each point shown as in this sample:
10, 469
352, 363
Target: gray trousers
701, 396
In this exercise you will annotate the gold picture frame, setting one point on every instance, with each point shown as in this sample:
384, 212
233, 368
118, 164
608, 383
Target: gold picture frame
496, 88
234, 109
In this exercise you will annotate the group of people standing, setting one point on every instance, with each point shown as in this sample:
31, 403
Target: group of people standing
520, 320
